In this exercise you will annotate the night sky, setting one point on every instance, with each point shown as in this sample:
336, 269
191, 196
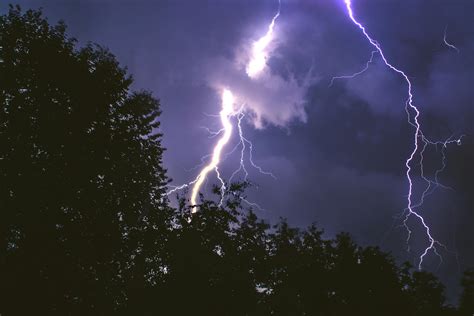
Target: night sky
338, 152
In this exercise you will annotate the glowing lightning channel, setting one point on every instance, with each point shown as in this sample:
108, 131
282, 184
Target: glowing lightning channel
256, 65
367, 64
412, 120
259, 50
226, 112
446, 41
242, 142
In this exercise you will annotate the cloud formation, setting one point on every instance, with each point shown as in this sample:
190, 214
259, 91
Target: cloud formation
270, 98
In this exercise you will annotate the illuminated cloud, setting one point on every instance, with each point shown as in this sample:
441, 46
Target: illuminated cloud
270, 98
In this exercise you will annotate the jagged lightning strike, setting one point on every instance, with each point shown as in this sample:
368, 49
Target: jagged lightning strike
445, 40
255, 66
227, 111
367, 64
420, 141
259, 50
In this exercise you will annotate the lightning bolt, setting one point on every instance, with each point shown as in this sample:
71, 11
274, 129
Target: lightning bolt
226, 112
446, 41
255, 66
420, 141
356, 73
259, 49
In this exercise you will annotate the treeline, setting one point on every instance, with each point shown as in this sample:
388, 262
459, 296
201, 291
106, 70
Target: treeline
86, 227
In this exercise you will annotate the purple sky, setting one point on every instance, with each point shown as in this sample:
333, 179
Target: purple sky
338, 152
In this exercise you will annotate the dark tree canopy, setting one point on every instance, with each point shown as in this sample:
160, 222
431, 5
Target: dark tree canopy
86, 227
466, 304
80, 171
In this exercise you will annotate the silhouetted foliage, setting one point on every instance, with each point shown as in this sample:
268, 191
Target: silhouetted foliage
466, 304
81, 176
86, 227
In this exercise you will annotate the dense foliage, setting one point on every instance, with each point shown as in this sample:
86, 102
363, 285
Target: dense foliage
86, 228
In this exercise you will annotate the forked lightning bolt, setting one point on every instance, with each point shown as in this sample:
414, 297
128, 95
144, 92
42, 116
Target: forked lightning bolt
255, 66
420, 141
225, 114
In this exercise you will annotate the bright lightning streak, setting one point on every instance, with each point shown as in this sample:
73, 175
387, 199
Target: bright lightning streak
412, 120
256, 65
242, 152
223, 187
242, 142
225, 115
356, 73
213, 134
431, 184
259, 57
253, 204
444, 145
226, 112
180, 187
446, 41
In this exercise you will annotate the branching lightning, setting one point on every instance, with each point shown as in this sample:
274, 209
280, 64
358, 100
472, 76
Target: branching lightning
356, 73
225, 114
255, 66
420, 144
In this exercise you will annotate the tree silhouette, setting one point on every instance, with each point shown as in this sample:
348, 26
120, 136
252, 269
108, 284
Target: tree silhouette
426, 294
466, 304
81, 173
